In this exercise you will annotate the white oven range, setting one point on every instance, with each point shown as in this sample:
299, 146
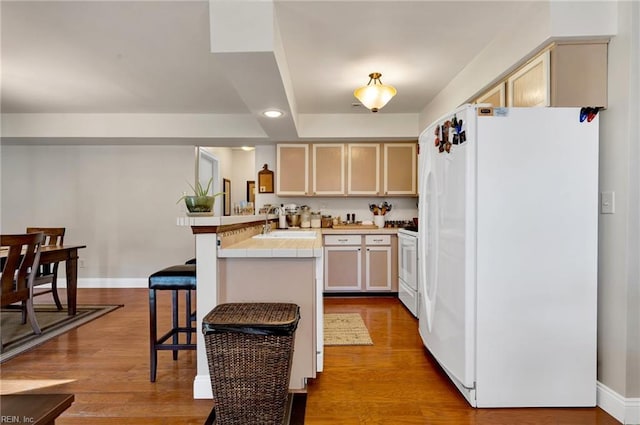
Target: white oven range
408, 269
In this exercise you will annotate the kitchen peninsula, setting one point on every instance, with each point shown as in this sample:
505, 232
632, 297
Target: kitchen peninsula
233, 266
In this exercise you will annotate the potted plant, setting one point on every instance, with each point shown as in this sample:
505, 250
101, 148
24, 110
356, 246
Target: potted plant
200, 201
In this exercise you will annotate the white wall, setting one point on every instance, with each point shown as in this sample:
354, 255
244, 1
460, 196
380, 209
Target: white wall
619, 234
243, 171
120, 201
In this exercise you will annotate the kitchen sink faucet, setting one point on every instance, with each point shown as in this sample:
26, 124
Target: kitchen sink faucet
267, 228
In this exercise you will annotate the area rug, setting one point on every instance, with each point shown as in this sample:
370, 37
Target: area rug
345, 329
18, 338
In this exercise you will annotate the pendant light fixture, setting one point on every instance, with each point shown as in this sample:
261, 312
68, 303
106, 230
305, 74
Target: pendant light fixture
375, 94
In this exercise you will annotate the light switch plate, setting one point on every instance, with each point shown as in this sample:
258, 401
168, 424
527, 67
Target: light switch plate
608, 203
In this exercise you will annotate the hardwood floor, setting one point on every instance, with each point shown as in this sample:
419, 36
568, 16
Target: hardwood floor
395, 381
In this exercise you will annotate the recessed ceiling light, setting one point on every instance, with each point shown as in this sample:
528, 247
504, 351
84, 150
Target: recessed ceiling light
272, 113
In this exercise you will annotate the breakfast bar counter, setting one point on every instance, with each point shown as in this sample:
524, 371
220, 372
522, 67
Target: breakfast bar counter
233, 265
237, 263
265, 246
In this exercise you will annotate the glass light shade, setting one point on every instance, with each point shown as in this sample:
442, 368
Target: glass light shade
375, 94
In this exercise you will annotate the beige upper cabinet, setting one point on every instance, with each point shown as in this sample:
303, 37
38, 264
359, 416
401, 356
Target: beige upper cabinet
339, 169
292, 173
579, 74
529, 86
363, 169
328, 174
400, 169
495, 96
566, 74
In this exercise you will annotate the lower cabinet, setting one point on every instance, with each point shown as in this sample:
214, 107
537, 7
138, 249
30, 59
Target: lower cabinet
360, 263
342, 262
377, 264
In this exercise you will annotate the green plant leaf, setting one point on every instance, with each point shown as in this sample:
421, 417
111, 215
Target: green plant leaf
198, 190
208, 185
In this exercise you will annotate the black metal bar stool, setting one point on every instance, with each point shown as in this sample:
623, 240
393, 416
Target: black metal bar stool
174, 278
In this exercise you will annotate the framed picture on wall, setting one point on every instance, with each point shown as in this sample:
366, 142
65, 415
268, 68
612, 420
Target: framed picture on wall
251, 191
226, 200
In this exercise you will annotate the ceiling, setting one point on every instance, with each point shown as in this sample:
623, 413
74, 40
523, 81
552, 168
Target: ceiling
131, 57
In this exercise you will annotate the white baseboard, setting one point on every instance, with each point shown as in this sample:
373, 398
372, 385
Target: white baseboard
100, 282
625, 410
202, 387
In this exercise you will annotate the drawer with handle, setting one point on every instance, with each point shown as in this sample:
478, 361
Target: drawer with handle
377, 240
342, 240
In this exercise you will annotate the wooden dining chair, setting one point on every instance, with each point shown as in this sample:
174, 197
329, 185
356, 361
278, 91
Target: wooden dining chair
48, 273
21, 262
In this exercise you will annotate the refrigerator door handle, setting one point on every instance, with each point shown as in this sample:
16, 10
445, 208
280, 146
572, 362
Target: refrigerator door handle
428, 243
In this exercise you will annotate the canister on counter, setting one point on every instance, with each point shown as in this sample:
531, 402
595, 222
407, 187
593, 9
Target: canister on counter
305, 217
316, 220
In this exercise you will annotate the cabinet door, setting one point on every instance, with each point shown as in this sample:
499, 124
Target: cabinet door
378, 268
579, 74
342, 268
530, 86
400, 169
328, 169
292, 173
495, 96
363, 169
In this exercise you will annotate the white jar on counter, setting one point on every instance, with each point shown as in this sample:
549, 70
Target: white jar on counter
316, 220
305, 219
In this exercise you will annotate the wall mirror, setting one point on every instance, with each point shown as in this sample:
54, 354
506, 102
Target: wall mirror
251, 191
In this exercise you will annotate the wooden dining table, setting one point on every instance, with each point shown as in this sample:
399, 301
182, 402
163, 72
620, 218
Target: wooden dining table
69, 254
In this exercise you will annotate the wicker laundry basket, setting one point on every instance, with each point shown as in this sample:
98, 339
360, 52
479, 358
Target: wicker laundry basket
249, 350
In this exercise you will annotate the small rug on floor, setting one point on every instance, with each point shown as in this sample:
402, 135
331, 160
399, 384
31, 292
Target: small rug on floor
345, 329
18, 338
296, 407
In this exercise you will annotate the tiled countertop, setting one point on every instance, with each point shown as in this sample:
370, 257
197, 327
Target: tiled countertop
274, 248
291, 248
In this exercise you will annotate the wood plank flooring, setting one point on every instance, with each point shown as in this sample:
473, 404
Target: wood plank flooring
106, 365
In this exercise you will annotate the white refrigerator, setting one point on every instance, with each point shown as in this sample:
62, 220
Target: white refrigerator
508, 233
